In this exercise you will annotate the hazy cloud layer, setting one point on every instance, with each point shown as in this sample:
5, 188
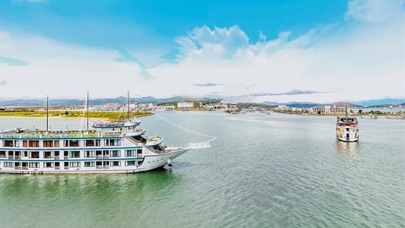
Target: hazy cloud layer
292, 92
3, 82
12, 61
374, 10
126, 57
207, 84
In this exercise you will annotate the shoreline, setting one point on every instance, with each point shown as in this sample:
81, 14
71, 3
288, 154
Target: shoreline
349, 114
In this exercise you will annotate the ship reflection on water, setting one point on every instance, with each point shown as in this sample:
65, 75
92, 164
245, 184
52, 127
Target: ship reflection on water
347, 149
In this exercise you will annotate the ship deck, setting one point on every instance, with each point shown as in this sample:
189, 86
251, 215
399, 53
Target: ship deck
56, 134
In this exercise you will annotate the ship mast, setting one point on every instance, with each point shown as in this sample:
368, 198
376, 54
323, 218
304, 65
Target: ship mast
128, 104
47, 114
346, 108
87, 110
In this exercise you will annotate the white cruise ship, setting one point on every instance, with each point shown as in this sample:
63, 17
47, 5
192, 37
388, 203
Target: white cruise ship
110, 147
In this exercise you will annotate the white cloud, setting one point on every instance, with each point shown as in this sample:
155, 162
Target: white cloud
62, 70
207, 43
355, 62
374, 10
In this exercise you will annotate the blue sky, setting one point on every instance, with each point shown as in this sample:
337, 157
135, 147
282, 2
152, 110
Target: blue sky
279, 50
139, 24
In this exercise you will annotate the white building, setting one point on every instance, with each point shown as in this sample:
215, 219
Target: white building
185, 105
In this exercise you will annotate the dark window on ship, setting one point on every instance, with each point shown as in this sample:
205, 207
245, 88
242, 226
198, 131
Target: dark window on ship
89, 142
130, 153
48, 154
75, 154
34, 154
115, 163
130, 163
73, 143
48, 164
11, 154
33, 164
2, 154
17, 154
8, 143
115, 153
25, 153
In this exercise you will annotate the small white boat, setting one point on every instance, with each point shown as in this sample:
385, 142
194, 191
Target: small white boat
369, 116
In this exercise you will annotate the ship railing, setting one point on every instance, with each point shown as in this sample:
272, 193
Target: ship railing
99, 167
199, 145
106, 166
59, 134
66, 167
11, 157
57, 167
150, 150
17, 157
99, 156
56, 158
25, 167
65, 157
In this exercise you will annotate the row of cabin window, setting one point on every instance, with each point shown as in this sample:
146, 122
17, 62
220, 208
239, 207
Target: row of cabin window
71, 154
66, 143
67, 164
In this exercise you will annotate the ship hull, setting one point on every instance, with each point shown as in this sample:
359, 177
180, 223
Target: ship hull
149, 162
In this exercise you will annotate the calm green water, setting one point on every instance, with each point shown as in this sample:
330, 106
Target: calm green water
262, 171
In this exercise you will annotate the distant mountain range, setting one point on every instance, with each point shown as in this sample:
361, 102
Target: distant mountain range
74, 102
378, 103
381, 102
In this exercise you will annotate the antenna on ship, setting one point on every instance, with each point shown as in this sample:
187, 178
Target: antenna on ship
87, 110
47, 116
